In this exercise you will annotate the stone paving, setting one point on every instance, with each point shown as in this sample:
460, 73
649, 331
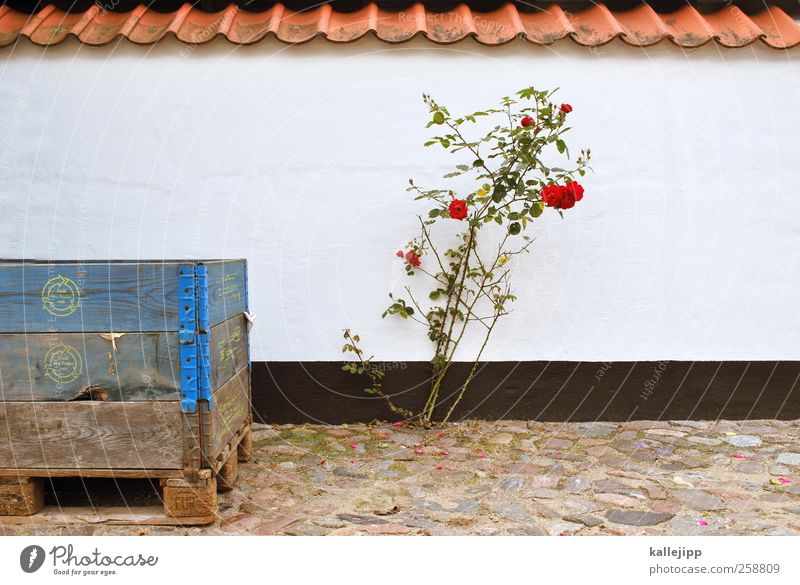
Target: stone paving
512, 478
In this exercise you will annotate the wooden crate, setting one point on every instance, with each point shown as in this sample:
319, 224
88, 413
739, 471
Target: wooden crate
124, 369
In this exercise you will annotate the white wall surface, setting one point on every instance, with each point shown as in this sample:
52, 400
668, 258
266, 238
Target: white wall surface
686, 245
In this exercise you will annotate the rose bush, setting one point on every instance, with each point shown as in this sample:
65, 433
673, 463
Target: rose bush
510, 185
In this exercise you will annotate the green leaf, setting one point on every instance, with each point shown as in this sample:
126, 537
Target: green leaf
433, 213
514, 228
435, 294
513, 216
537, 209
498, 194
561, 145
438, 118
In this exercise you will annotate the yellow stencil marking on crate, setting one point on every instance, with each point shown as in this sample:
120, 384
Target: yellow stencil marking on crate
229, 345
231, 413
228, 291
61, 296
63, 363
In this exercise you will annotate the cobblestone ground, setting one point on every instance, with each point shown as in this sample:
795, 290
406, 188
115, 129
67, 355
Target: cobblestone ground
512, 477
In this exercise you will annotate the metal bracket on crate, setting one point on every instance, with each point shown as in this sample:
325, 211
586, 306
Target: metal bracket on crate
203, 352
187, 321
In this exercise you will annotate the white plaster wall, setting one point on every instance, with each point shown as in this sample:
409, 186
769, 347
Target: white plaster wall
686, 245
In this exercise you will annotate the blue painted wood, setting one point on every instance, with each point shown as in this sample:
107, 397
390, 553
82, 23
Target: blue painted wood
59, 366
91, 296
56, 318
227, 289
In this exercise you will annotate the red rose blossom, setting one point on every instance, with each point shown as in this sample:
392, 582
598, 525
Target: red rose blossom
575, 189
553, 195
413, 258
399, 254
526, 122
458, 209
562, 196
567, 201
566, 108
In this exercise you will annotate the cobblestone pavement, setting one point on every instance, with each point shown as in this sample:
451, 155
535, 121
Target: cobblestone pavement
512, 477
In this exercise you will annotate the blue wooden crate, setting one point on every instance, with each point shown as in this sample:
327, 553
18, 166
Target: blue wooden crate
141, 330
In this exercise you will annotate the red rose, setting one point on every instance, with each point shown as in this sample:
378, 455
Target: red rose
458, 209
562, 197
566, 108
413, 258
575, 189
553, 195
399, 254
567, 201
526, 122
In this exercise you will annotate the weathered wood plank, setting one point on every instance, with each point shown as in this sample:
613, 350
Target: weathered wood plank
91, 435
227, 289
91, 296
114, 473
60, 366
122, 515
231, 410
228, 349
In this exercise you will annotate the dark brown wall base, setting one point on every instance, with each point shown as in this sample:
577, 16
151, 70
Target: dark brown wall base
295, 392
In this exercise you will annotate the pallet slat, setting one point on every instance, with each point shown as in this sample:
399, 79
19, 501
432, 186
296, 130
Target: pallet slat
120, 515
84, 472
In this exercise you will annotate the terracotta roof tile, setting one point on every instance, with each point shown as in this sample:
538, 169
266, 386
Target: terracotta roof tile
780, 30
641, 26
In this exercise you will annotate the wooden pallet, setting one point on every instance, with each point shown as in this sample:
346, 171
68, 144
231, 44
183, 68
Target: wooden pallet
185, 502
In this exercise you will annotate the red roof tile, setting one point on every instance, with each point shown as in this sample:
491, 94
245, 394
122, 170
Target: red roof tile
642, 26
